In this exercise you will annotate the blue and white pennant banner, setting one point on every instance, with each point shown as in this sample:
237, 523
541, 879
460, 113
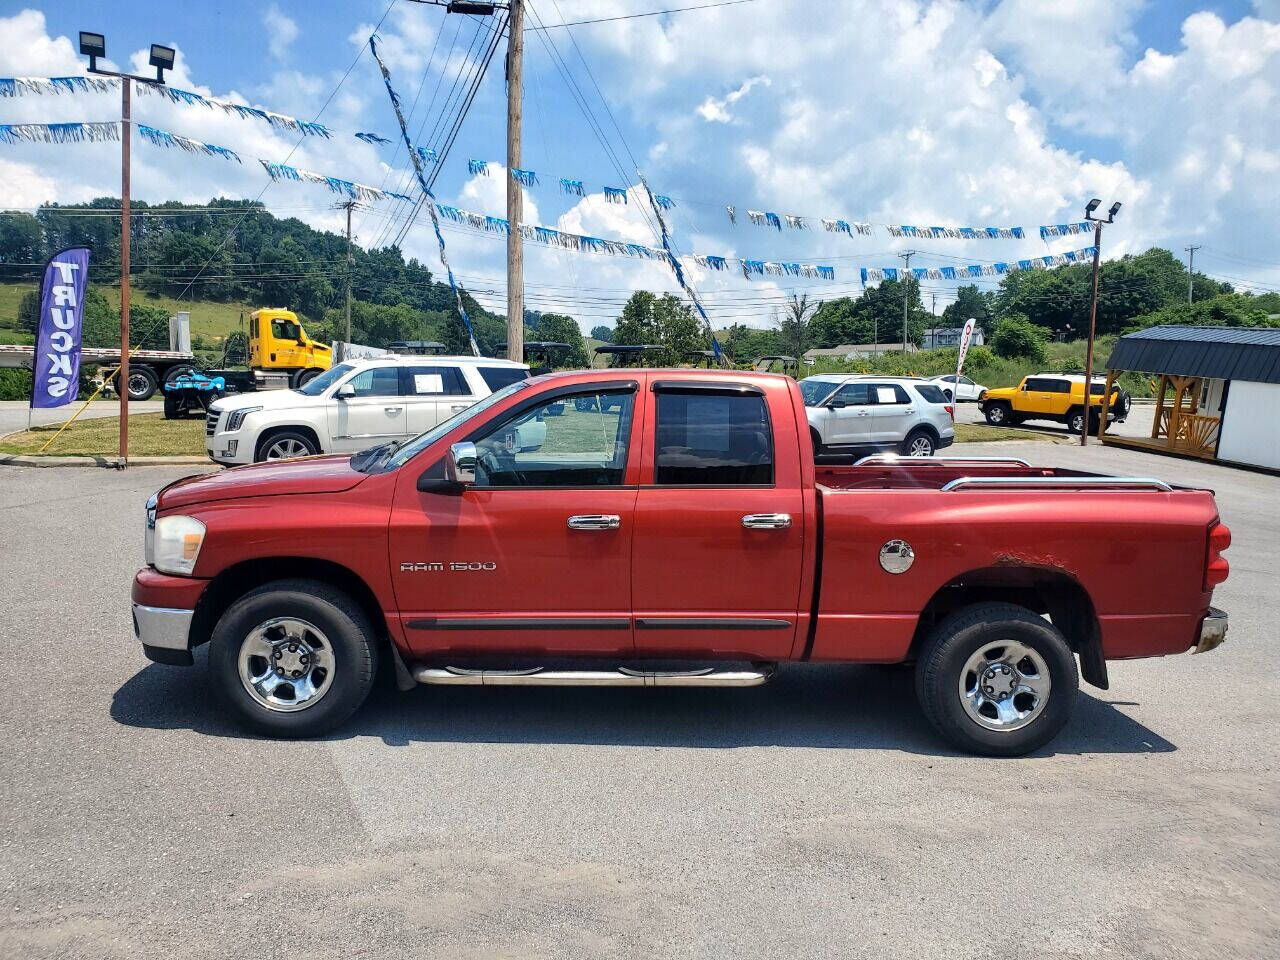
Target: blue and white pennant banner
979, 269
13, 133
577, 242
959, 233
18, 86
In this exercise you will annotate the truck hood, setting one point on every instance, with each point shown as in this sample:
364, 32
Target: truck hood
327, 474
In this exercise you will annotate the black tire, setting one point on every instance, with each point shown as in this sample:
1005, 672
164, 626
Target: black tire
351, 642
179, 370
285, 438
998, 414
172, 406
303, 377
142, 383
916, 442
961, 636
817, 442
1075, 420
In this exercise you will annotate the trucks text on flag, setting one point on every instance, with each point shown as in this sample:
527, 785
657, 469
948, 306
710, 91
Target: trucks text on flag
56, 379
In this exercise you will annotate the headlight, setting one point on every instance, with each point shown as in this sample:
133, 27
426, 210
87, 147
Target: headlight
176, 544
236, 417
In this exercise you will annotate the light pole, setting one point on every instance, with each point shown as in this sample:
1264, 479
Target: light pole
1191, 276
93, 46
1093, 310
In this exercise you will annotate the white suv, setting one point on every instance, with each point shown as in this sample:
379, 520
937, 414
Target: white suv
356, 405
862, 414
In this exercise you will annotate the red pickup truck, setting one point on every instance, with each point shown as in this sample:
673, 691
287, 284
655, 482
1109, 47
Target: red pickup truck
671, 530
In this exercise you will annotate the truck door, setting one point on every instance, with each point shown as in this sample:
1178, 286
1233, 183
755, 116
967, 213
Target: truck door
375, 414
849, 422
535, 558
720, 523
432, 394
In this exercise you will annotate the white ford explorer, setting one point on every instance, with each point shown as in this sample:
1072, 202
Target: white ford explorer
356, 405
860, 413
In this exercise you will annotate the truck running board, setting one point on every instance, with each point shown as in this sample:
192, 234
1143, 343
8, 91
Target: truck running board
620, 677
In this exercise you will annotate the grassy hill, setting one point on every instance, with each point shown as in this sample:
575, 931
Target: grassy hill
210, 321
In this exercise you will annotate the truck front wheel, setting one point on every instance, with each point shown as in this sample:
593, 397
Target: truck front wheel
293, 658
998, 413
142, 383
996, 679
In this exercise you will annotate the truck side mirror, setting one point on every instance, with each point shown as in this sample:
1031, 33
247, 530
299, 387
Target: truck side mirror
345, 392
460, 464
835, 403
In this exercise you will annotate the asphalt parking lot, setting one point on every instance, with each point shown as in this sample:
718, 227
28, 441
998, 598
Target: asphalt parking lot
817, 815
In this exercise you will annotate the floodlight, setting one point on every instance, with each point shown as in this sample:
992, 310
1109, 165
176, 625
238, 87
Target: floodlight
463, 6
93, 46
162, 59
1115, 208
1093, 205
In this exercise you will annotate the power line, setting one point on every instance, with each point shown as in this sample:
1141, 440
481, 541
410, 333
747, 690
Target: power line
636, 16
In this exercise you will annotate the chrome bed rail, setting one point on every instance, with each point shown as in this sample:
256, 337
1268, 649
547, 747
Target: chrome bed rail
1080, 483
893, 459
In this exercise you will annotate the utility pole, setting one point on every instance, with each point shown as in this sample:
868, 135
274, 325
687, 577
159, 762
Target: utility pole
1191, 277
1093, 315
906, 292
515, 200
348, 206
122, 380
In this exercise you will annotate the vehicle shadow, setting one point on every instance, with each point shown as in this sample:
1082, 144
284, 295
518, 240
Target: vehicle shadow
805, 705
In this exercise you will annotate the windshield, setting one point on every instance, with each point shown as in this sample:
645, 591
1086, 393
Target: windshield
815, 391
327, 379
419, 443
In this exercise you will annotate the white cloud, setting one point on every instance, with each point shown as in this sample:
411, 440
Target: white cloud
717, 111
282, 30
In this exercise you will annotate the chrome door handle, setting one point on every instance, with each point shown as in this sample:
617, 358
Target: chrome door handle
595, 521
459, 407
767, 521
392, 409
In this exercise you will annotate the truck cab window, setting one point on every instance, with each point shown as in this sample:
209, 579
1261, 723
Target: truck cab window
285, 330
710, 439
580, 443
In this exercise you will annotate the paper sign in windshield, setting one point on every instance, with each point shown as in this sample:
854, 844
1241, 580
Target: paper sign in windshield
886, 395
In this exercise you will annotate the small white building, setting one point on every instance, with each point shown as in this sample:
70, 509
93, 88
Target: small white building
1219, 391
938, 337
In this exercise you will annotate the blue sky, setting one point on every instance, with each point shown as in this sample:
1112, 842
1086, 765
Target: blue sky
953, 112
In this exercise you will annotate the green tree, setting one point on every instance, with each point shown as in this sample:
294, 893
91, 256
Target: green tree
971, 303
559, 328
21, 239
795, 335
665, 321
602, 332
1017, 337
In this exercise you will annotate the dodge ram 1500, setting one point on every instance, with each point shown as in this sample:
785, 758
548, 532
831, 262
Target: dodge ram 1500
671, 530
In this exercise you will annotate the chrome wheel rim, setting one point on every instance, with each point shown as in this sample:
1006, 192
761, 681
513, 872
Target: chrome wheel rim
921, 447
1077, 423
286, 448
286, 664
1005, 685
138, 384
996, 415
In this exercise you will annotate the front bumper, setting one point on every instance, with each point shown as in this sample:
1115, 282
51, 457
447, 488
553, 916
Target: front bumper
165, 633
1213, 631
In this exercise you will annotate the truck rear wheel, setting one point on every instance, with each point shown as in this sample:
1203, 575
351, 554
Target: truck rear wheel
996, 679
142, 383
293, 658
303, 377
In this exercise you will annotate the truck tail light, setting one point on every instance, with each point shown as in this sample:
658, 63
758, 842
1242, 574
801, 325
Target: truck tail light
1216, 566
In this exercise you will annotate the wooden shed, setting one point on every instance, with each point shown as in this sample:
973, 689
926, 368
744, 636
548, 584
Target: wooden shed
1218, 394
